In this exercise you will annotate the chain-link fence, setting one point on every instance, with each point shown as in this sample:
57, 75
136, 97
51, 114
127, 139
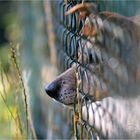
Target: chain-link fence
75, 49
100, 69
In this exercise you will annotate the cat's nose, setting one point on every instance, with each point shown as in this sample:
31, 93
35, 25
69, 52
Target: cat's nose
52, 90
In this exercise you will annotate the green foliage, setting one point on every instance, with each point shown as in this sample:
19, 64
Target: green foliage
14, 118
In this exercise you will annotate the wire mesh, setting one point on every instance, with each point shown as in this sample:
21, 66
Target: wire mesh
95, 66
73, 49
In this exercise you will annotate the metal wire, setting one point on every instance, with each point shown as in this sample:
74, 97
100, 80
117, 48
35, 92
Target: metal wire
106, 68
70, 45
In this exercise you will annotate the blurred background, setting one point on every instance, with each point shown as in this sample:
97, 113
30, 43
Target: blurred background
26, 66
26, 110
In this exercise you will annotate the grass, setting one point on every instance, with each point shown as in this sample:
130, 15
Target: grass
14, 117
